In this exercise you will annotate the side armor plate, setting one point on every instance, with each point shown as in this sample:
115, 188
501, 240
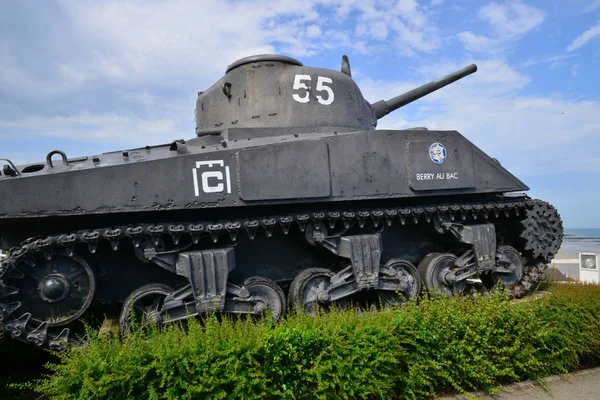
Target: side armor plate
273, 172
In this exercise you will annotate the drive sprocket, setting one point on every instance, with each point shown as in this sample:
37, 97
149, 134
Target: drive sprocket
542, 231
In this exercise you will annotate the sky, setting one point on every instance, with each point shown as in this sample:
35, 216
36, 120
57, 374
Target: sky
96, 76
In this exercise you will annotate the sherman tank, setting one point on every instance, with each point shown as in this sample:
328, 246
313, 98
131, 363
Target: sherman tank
287, 197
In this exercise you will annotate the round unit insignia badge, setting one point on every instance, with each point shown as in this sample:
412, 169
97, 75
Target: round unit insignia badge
437, 153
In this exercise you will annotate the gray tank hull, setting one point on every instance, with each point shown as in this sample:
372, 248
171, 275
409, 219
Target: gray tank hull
246, 170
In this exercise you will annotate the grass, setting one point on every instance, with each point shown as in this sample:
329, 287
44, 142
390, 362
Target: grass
457, 344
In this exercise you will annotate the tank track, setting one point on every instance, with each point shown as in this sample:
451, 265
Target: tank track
542, 234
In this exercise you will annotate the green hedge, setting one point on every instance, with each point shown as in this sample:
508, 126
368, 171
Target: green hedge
414, 352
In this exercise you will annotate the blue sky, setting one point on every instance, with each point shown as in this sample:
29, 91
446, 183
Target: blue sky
95, 76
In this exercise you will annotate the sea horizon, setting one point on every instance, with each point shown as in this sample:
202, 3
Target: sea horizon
580, 240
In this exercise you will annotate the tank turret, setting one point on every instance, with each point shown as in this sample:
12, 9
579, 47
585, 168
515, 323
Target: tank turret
273, 91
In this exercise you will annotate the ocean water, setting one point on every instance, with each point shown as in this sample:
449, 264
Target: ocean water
578, 241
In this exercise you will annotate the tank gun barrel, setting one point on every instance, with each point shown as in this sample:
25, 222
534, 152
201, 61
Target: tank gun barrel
383, 107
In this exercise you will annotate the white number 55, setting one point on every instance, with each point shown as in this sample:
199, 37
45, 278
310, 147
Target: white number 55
321, 81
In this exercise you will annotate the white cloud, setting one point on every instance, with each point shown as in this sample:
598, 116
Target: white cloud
411, 12
126, 129
477, 43
511, 19
162, 38
379, 31
403, 23
554, 61
15, 79
593, 6
585, 37
508, 21
313, 31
